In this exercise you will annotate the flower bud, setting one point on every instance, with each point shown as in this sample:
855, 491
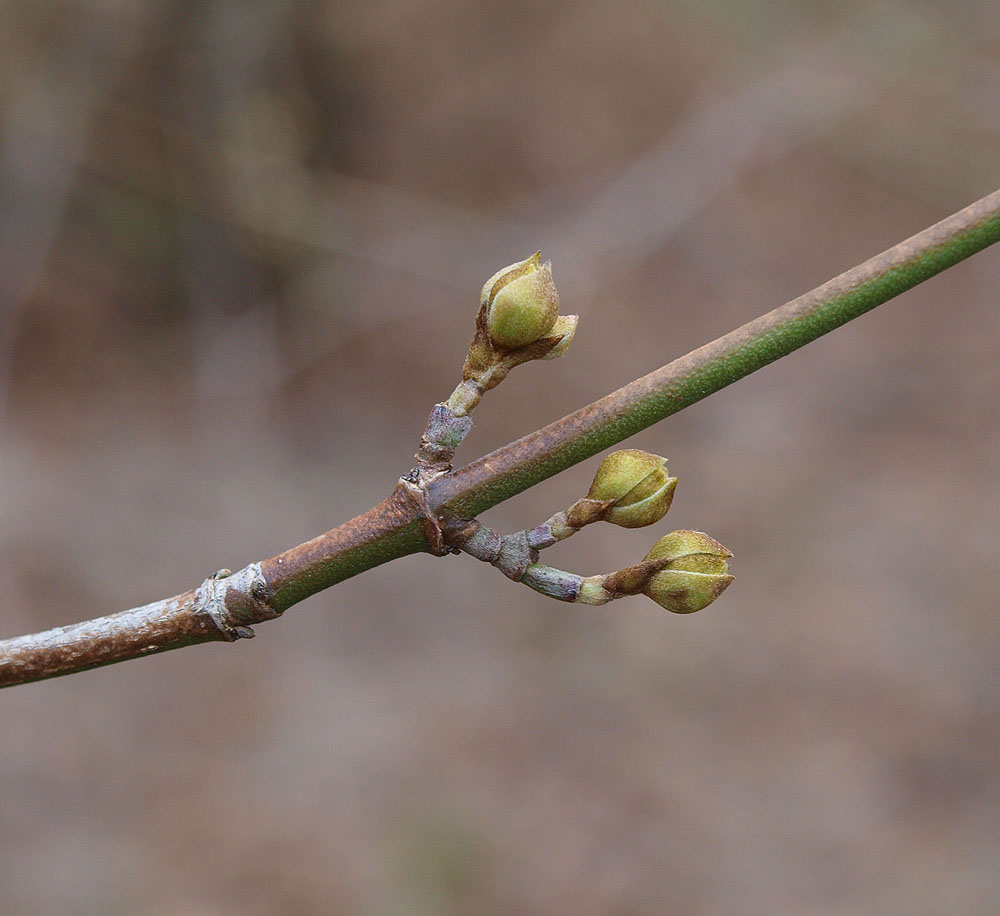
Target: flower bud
638, 483
694, 573
521, 303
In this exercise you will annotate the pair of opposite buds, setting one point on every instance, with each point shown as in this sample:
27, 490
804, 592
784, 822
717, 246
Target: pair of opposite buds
684, 571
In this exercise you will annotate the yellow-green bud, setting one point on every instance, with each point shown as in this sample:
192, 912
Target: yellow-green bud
695, 573
638, 483
521, 303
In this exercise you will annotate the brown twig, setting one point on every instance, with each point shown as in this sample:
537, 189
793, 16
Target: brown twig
226, 605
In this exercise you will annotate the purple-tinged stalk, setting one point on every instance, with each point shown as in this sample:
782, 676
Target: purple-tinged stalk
684, 572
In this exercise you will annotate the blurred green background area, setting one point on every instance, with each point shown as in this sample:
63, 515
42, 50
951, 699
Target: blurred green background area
240, 251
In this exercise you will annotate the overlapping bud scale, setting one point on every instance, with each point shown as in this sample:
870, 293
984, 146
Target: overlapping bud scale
639, 484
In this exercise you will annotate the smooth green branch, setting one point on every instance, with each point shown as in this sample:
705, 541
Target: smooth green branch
515, 467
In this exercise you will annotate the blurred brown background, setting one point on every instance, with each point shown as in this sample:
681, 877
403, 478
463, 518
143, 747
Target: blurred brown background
240, 250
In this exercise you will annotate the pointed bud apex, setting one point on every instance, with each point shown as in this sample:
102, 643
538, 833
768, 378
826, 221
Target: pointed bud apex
564, 329
638, 483
521, 303
694, 573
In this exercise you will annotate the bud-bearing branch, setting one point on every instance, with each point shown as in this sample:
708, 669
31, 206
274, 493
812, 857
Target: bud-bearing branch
518, 320
432, 501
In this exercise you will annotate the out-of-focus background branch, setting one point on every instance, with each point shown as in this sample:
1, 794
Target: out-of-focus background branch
240, 248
